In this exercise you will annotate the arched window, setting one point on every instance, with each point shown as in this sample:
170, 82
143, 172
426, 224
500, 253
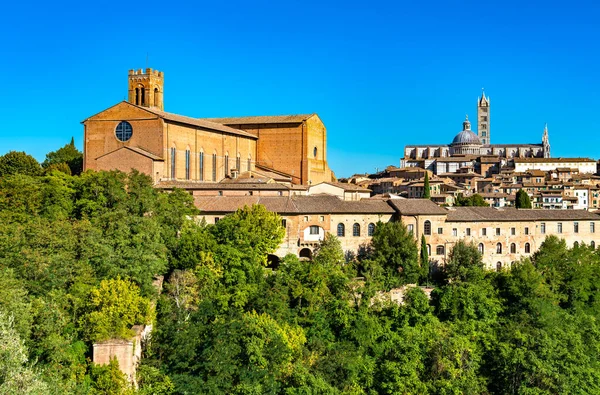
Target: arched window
498, 266
593, 244
356, 230
226, 164
513, 248
143, 96
137, 96
237, 162
528, 248
439, 250
480, 248
201, 166
155, 97
341, 230
428, 249
214, 167
427, 228
187, 164
371, 229
499, 248
576, 244
173, 161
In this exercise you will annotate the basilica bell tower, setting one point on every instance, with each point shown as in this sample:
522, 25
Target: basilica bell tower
146, 88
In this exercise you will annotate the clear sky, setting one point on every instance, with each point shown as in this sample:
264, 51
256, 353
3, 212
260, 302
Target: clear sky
379, 74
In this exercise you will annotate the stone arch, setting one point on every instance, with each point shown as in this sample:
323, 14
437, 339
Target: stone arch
305, 253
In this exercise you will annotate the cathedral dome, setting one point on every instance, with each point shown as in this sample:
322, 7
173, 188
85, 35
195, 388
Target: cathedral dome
466, 137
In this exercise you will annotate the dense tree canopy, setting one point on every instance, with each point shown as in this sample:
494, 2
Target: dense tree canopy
471, 200
68, 155
79, 257
15, 162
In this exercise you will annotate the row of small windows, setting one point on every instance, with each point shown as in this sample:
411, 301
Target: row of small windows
341, 230
201, 167
140, 97
513, 231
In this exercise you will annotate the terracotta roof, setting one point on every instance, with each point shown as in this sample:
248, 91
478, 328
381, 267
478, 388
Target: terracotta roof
476, 214
416, 207
203, 123
261, 119
222, 186
294, 204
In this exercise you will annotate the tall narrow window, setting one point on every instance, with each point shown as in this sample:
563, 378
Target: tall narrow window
499, 248
137, 96
237, 163
371, 229
214, 167
576, 227
155, 97
592, 227
173, 162
356, 230
187, 164
427, 228
226, 164
498, 266
341, 230
593, 244
201, 166
543, 228
559, 227
143, 96
249, 163
513, 248
527, 248
480, 248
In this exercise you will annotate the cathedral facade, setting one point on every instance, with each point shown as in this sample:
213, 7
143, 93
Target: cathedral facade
139, 134
469, 143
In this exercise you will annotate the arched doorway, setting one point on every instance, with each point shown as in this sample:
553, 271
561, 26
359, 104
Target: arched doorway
305, 253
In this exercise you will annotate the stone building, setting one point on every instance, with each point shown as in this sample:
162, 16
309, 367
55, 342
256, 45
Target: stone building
139, 134
306, 219
469, 144
503, 235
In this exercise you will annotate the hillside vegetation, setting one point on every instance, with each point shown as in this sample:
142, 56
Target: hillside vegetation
79, 255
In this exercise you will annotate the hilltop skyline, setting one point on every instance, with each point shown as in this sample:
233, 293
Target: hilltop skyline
379, 77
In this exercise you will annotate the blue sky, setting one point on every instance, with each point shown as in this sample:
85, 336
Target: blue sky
380, 74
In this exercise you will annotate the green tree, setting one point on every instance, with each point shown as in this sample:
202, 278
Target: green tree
68, 155
423, 255
426, 190
464, 263
252, 230
395, 250
473, 200
522, 199
19, 163
113, 308
109, 380
329, 251
16, 375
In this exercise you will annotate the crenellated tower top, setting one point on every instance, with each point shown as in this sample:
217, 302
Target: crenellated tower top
146, 88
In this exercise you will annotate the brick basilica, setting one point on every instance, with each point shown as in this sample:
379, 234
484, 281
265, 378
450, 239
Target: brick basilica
139, 134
